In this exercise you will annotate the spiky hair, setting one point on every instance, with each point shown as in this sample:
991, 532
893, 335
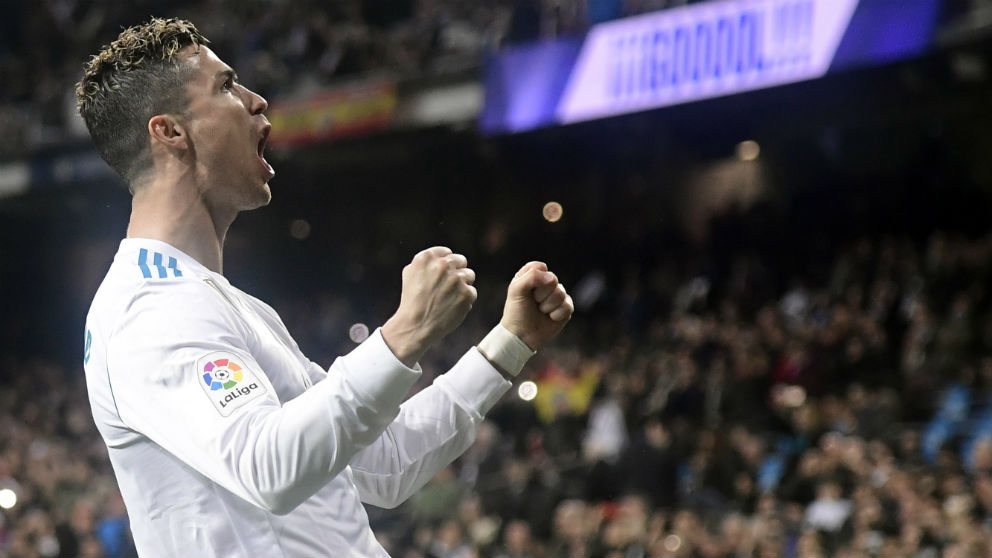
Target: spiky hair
130, 80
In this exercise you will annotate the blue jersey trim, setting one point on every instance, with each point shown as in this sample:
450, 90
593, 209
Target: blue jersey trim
143, 263
157, 260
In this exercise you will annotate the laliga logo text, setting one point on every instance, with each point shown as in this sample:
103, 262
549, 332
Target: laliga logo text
225, 375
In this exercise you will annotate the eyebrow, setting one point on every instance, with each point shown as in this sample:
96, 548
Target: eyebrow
226, 74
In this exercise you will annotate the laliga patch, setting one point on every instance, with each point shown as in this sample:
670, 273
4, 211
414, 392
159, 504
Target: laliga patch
227, 381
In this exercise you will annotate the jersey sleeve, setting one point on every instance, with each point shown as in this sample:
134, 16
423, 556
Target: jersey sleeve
182, 375
314, 371
433, 428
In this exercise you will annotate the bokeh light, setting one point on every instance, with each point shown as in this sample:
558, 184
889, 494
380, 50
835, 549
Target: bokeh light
527, 391
358, 333
552, 211
299, 229
748, 150
8, 498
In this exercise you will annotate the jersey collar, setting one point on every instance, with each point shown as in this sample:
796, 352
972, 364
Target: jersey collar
157, 259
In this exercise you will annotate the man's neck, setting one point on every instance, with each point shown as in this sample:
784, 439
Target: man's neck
182, 218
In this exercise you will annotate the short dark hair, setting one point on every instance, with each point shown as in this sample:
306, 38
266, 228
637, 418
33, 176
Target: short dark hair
130, 80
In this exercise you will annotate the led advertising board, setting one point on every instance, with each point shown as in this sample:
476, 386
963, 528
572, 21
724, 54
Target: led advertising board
696, 52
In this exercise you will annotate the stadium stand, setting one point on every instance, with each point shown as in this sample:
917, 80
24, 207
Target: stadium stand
824, 390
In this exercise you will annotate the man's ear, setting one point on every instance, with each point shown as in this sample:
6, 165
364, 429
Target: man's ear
166, 129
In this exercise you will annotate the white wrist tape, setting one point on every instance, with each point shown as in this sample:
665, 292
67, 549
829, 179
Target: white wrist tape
505, 350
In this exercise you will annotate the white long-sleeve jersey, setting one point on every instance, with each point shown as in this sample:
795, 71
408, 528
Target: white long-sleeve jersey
227, 441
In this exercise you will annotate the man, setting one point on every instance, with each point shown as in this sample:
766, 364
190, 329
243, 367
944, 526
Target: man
225, 439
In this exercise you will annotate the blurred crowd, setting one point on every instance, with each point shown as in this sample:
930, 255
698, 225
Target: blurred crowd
714, 417
54, 462
788, 425
279, 47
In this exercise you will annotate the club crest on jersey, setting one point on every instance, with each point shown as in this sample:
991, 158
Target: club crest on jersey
227, 381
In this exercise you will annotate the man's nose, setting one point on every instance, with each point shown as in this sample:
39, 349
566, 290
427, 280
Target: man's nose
256, 103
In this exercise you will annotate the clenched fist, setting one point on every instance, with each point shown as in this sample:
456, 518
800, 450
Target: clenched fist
537, 306
437, 295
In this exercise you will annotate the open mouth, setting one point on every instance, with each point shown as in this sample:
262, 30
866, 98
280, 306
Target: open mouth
260, 149
262, 141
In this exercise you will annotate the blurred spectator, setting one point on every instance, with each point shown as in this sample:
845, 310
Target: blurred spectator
828, 511
517, 541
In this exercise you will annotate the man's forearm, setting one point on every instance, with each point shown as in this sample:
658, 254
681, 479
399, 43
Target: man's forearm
406, 343
432, 429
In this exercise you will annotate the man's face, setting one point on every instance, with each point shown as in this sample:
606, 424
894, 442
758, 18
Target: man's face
227, 132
